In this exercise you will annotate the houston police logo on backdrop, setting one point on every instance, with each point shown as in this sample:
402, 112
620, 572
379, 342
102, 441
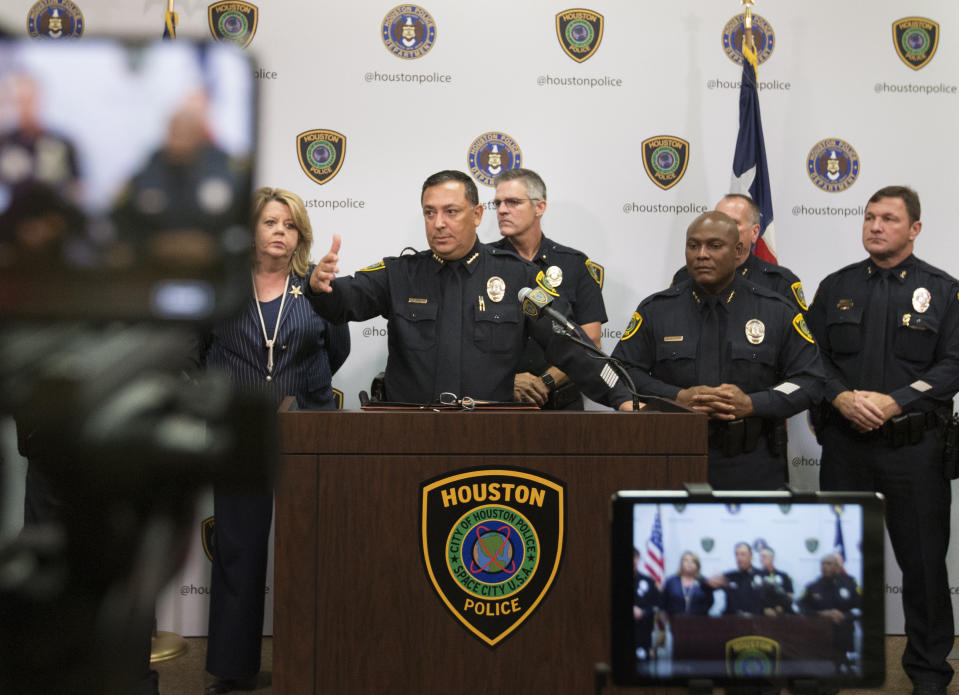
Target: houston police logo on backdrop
762, 34
665, 158
321, 153
579, 32
408, 31
916, 40
55, 19
832, 165
491, 154
233, 21
492, 540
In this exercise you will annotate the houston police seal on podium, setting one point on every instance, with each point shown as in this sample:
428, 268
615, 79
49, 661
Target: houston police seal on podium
492, 540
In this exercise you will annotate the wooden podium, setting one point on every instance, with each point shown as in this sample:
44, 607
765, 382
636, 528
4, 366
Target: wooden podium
354, 609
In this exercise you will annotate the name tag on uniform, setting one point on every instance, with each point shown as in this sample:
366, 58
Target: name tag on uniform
415, 300
673, 339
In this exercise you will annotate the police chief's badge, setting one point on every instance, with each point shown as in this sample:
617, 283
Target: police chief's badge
796, 287
755, 331
491, 154
916, 40
665, 158
555, 275
799, 323
492, 540
635, 321
408, 31
832, 165
495, 288
321, 153
596, 271
763, 35
921, 299
579, 32
55, 19
233, 21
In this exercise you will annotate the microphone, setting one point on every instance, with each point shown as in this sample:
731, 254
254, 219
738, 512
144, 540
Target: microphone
537, 302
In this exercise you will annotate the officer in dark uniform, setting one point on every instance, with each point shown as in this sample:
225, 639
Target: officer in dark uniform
745, 212
777, 585
454, 321
520, 204
888, 328
836, 596
739, 353
646, 600
743, 586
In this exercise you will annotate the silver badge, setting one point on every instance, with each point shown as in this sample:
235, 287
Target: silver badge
921, 299
755, 331
495, 288
844, 593
554, 274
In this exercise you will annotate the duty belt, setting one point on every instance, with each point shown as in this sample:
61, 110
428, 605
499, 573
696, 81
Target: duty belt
907, 428
742, 436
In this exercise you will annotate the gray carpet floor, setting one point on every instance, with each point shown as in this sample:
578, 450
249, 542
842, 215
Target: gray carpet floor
185, 674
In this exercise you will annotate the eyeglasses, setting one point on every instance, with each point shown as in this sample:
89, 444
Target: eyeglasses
511, 203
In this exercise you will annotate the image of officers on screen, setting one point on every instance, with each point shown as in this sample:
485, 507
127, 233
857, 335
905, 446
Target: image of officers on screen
743, 586
646, 600
777, 587
837, 597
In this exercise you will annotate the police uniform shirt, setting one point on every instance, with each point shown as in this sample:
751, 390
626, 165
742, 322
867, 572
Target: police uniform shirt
764, 274
743, 592
581, 287
763, 347
646, 597
777, 587
454, 326
838, 592
916, 354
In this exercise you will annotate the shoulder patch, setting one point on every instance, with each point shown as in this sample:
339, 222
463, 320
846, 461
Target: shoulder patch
635, 322
596, 271
799, 323
376, 266
796, 287
545, 284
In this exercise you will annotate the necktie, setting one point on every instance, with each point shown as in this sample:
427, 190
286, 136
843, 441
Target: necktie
873, 330
449, 332
710, 369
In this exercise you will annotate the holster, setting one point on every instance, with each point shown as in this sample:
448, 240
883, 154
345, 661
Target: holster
950, 453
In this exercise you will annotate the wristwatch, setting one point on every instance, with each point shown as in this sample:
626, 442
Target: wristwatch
549, 381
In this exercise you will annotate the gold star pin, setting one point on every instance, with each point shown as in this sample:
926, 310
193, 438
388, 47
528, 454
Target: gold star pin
296, 291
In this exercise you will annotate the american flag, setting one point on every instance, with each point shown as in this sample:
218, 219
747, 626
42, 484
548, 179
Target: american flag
838, 546
750, 173
653, 563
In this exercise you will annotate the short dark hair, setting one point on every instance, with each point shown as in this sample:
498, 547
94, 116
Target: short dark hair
472, 195
904, 193
535, 188
754, 210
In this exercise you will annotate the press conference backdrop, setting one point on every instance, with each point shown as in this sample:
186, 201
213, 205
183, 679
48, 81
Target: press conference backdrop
627, 108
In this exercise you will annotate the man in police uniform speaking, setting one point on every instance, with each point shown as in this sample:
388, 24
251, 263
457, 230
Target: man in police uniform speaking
745, 212
738, 352
888, 329
520, 204
743, 586
455, 324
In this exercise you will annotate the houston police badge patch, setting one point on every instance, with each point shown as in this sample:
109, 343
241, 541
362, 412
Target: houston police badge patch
491, 154
55, 19
321, 153
234, 21
916, 40
206, 537
762, 34
408, 31
579, 32
832, 165
753, 656
665, 158
492, 540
